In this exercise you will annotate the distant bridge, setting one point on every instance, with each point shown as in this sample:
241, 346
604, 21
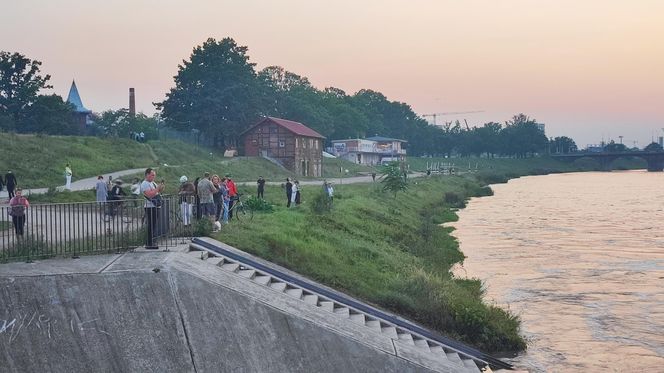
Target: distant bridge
655, 159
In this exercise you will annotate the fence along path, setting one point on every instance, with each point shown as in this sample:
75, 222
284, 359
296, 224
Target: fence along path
72, 229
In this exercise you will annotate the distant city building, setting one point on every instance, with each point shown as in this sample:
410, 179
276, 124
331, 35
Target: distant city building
540, 126
81, 114
370, 151
291, 144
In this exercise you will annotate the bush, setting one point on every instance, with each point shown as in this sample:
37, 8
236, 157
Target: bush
203, 227
454, 199
321, 203
257, 204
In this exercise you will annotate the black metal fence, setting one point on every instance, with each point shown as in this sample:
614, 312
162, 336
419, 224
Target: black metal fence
74, 229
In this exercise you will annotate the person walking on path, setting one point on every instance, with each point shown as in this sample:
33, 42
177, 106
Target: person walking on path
152, 192
11, 183
2, 183
289, 191
68, 175
17, 208
261, 187
101, 189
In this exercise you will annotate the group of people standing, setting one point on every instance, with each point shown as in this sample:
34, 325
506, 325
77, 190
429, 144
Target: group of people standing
292, 192
212, 196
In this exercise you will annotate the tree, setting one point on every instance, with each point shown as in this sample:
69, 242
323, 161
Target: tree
216, 92
522, 136
393, 179
20, 83
293, 97
615, 148
118, 123
562, 144
49, 114
653, 147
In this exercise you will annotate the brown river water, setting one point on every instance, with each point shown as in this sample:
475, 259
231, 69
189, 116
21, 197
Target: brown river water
579, 258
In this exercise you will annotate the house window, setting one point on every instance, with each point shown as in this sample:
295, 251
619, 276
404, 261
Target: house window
316, 143
282, 143
304, 143
296, 142
311, 143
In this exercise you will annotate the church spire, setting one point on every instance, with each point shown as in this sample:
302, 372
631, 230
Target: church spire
75, 99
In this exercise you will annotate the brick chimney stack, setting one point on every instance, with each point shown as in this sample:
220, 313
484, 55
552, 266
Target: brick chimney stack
132, 103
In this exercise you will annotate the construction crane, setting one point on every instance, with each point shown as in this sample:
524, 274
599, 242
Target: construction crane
434, 115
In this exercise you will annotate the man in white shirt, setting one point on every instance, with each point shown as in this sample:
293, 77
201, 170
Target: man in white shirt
150, 190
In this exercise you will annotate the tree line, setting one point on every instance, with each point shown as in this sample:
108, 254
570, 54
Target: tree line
219, 93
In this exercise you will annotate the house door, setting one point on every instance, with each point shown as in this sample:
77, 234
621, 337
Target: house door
359, 158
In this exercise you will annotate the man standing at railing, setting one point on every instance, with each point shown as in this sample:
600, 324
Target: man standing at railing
151, 191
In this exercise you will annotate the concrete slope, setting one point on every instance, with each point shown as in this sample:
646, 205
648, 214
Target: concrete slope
172, 312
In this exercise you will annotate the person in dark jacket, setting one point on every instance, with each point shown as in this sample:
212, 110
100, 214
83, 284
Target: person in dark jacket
289, 191
261, 186
2, 184
10, 181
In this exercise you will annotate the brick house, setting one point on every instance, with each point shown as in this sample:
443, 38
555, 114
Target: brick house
292, 144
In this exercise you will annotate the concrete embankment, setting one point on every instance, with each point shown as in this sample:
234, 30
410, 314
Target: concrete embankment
172, 312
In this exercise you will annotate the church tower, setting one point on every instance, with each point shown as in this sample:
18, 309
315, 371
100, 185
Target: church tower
81, 114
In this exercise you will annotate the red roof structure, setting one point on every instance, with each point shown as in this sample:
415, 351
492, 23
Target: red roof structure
295, 127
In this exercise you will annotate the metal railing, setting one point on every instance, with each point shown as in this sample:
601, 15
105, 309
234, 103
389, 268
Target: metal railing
74, 229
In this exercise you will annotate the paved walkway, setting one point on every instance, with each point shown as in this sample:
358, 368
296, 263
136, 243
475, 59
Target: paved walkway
82, 184
89, 183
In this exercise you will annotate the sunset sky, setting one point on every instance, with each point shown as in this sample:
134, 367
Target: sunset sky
588, 69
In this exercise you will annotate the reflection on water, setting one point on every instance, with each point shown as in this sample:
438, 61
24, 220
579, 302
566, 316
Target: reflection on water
580, 258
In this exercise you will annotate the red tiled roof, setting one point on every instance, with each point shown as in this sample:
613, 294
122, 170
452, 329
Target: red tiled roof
295, 127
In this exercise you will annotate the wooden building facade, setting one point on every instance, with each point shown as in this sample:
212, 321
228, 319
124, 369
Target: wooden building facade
292, 144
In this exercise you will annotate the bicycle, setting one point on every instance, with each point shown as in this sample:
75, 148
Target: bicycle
240, 208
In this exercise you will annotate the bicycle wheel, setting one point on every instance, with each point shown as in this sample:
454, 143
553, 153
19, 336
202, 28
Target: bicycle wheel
240, 212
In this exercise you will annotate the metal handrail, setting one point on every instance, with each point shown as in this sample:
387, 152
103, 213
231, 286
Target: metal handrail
81, 228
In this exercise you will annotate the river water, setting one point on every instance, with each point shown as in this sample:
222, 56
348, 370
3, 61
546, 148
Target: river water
580, 258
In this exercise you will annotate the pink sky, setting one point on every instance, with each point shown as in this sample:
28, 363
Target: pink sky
587, 69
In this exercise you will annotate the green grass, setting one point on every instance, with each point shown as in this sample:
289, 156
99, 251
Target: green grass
38, 161
387, 251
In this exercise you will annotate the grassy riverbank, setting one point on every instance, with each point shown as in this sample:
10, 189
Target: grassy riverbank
388, 251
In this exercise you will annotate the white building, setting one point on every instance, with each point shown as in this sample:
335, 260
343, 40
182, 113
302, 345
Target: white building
370, 151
